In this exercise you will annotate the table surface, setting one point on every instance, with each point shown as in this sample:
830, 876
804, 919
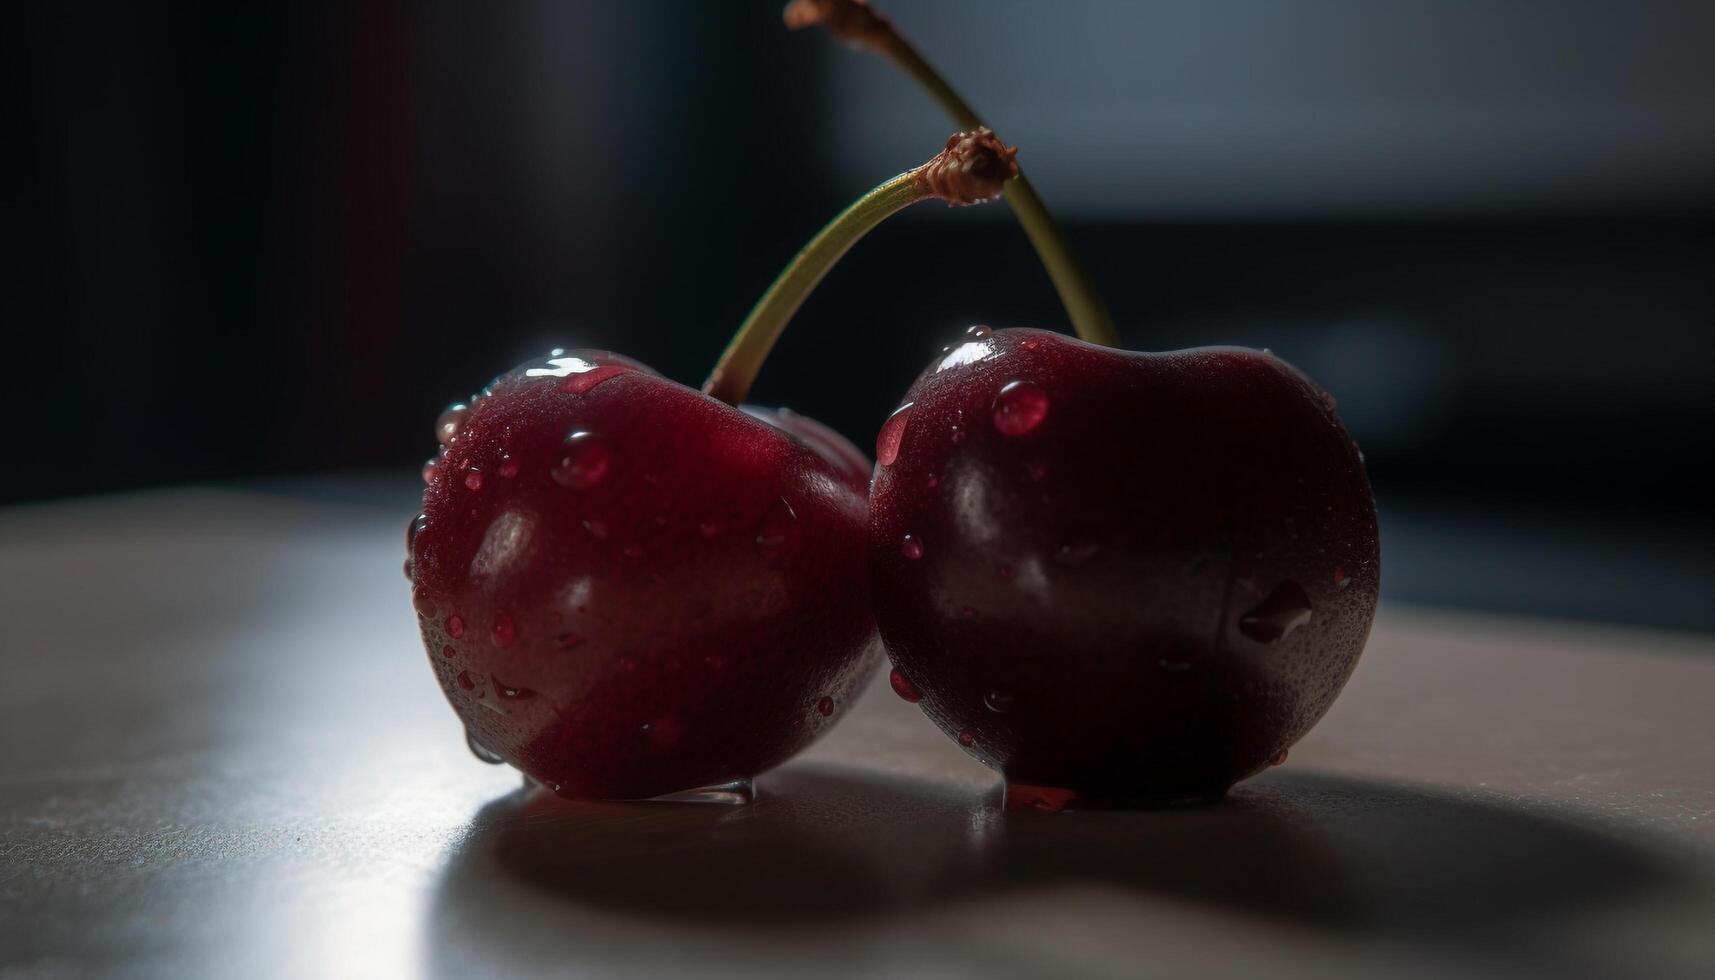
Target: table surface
221, 755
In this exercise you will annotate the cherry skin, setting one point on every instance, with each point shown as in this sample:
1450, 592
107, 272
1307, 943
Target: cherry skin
629, 589
1120, 576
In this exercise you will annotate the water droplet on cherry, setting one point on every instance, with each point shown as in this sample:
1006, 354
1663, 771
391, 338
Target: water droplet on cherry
1020, 408
998, 701
410, 570
1329, 402
482, 751
508, 467
449, 423
892, 432
966, 738
978, 331
1342, 578
582, 382
429, 470
504, 630
472, 477
422, 602
903, 687
1278, 758
911, 547
585, 461
455, 626
932, 481
825, 706
1285, 609
448, 651
465, 680
512, 693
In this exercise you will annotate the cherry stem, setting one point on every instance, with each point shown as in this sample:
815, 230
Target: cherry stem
973, 168
854, 22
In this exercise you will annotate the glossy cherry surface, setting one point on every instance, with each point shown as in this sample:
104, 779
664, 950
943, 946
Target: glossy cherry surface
628, 589
1118, 575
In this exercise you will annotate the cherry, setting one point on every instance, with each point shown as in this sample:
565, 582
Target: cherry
1126, 575
629, 588
1111, 575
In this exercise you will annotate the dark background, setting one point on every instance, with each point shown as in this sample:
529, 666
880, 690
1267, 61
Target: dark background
256, 242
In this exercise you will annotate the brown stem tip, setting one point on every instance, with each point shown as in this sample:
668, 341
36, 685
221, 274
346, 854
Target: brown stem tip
852, 21
972, 169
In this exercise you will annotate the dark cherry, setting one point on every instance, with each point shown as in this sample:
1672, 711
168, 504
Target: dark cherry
1119, 576
629, 589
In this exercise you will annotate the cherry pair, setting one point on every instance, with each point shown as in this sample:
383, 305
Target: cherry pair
1110, 575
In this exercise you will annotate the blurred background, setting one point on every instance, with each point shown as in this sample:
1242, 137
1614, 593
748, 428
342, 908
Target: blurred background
264, 245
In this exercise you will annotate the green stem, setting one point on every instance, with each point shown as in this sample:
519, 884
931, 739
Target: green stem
731, 379
1090, 317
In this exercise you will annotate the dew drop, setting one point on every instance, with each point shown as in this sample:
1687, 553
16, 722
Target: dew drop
1020, 408
998, 701
584, 462
777, 525
465, 680
449, 423
903, 687
504, 630
978, 331
825, 706
482, 751
966, 738
891, 434
911, 547
511, 693
1285, 609
422, 602
582, 382
429, 470
1342, 578
417, 526
472, 477
1278, 758
1329, 402
1030, 344
932, 482
455, 626
508, 467
410, 570
448, 651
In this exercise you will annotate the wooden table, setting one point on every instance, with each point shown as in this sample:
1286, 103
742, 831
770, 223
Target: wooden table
221, 754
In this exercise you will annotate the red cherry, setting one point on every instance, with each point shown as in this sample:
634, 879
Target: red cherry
582, 620
1139, 575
